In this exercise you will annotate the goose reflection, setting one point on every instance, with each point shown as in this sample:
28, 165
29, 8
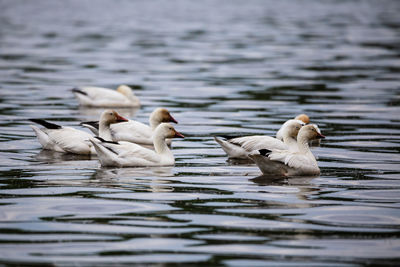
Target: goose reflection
96, 112
115, 173
50, 156
302, 183
264, 180
149, 178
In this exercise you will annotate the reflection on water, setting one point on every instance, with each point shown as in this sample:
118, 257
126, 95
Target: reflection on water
50, 156
94, 113
221, 69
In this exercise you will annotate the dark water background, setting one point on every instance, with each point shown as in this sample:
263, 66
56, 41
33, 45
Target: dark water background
220, 67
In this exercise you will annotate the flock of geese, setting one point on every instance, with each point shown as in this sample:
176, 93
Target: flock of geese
120, 142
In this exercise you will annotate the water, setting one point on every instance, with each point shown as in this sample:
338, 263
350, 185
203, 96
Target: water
220, 67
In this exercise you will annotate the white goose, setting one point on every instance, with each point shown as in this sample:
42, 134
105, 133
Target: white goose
134, 131
302, 117
104, 97
70, 140
306, 120
288, 163
239, 148
127, 154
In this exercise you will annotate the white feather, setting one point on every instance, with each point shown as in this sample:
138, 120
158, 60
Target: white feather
124, 154
104, 97
290, 163
240, 147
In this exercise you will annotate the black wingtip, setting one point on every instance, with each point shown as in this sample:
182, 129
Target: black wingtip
79, 91
264, 152
46, 124
105, 141
94, 124
99, 138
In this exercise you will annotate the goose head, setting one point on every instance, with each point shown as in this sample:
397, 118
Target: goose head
111, 116
293, 128
310, 132
318, 130
125, 90
303, 117
166, 130
160, 115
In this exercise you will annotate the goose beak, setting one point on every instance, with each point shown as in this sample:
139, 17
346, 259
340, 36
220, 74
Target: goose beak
178, 135
320, 136
171, 119
119, 118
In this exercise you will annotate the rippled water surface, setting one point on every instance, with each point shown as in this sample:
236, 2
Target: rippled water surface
220, 67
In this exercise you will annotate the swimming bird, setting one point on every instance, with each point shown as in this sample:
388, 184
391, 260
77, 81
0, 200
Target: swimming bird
306, 120
127, 154
287, 163
134, 131
302, 117
239, 147
71, 140
103, 97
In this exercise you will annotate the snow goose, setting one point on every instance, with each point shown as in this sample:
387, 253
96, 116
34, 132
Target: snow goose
104, 97
288, 163
127, 154
239, 148
302, 117
70, 140
134, 131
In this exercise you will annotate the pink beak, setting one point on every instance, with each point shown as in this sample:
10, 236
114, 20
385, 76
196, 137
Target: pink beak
120, 118
179, 135
171, 119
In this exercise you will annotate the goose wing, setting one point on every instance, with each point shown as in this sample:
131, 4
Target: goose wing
130, 153
98, 96
132, 131
256, 142
71, 140
298, 162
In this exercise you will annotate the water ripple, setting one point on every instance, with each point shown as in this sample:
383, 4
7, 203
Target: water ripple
237, 68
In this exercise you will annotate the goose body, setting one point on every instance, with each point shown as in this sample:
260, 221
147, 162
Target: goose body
104, 97
239, 148
134, 131
289, 163
63, 139
71, 140
127, 154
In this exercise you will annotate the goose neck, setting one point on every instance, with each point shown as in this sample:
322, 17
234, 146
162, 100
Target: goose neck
105, 131
133, 98
160, 145
153, 123
302, 143
290, 141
